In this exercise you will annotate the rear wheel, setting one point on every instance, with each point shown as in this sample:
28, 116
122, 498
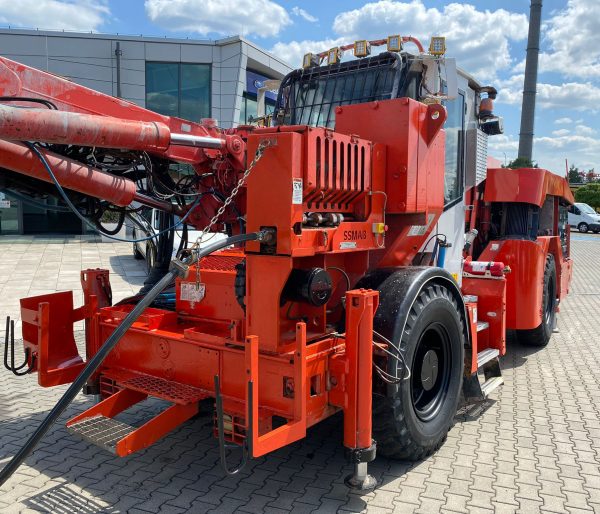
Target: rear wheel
149, 260
583, 227
136, 251
540, 336
413, 419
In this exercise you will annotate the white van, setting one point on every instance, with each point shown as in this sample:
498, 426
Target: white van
148, 225
584, 218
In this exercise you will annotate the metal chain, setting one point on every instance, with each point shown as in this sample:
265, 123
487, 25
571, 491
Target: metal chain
263, 145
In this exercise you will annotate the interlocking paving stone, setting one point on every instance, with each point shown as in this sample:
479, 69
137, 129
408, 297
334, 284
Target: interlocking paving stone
535, 447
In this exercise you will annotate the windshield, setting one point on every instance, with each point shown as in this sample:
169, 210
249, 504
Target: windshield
309, 96
585, 208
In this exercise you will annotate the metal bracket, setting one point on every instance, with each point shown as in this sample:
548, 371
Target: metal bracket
223, 446
29, 358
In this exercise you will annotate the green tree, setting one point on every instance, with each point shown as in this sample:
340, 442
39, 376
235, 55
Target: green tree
521, 162
574, 176
590, 194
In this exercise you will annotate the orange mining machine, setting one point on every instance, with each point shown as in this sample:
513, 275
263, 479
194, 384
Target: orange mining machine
367, 260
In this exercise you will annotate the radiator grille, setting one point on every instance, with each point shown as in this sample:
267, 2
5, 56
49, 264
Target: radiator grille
338, 171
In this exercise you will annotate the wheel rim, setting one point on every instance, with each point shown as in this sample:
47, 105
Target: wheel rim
430, 371
583, 227
549, 303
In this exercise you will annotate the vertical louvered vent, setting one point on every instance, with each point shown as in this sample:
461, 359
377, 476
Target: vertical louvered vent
338, 171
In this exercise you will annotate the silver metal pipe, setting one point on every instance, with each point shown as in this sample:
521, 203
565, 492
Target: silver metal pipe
530, 84
157, 204
197, 141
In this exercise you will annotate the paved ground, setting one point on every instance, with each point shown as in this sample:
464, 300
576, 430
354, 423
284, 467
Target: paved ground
535, 447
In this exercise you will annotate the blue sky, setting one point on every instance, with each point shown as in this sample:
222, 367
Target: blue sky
488, 38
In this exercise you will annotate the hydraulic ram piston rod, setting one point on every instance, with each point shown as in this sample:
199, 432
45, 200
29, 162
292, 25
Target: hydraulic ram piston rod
15, 156
61, 127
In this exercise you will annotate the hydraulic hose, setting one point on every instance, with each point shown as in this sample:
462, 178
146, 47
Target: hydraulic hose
92, 366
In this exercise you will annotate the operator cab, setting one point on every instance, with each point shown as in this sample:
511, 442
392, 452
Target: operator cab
310, 96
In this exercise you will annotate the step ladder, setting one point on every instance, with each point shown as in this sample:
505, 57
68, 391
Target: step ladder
98, 426
478, 386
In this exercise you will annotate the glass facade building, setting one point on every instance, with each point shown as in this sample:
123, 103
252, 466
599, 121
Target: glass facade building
191, 79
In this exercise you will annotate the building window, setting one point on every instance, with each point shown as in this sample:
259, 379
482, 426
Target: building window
249, 110
454, 127
178, 89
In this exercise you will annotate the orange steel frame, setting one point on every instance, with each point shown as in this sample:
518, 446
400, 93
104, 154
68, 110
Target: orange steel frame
527, 259
296, 371
281, 364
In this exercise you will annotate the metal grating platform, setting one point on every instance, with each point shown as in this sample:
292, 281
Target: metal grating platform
165, 389
101, 431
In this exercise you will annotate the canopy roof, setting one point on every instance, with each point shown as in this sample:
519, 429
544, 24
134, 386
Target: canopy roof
526, 185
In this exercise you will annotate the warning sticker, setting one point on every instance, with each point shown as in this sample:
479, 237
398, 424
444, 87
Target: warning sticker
297, 191
419, 230
191, 293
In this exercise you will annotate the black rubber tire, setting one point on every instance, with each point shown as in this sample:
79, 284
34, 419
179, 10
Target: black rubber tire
540, 336
583, 227
149, 260
136, 252
400, 431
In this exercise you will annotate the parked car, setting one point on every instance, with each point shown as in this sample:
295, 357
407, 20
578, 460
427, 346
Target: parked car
584, 218
147, 224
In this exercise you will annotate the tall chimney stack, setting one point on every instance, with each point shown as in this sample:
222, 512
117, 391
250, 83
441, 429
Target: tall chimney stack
530, 85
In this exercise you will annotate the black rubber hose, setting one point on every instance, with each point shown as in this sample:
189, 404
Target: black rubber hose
92, 366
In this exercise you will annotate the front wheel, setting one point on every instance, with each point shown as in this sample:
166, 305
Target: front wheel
540, 336
413, 419
583, 227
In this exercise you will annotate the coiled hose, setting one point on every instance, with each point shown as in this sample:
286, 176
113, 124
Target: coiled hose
95, 362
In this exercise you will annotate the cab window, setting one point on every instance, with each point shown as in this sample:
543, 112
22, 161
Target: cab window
454, 162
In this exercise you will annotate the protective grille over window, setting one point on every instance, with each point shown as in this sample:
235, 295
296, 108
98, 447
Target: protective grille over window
309, 96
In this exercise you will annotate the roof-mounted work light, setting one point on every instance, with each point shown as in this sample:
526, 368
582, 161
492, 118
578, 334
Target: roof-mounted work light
310, 60
334, 55
394, 43
362, 48
437, 45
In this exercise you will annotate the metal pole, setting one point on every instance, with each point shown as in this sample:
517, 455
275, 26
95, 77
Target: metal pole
529, 87
118, 54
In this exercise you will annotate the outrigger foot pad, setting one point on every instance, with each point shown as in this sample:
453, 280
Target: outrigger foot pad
360, 480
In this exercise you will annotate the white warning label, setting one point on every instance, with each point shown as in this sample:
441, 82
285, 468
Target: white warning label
297, 191
190, 293
419, 230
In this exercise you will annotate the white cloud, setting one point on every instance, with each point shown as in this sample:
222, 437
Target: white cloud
478, 39
560, 132
584, 130
573, 35
563, 121
293, 51
82, 15
574, 96
298, 11
502, 143
550, 152
226, 17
